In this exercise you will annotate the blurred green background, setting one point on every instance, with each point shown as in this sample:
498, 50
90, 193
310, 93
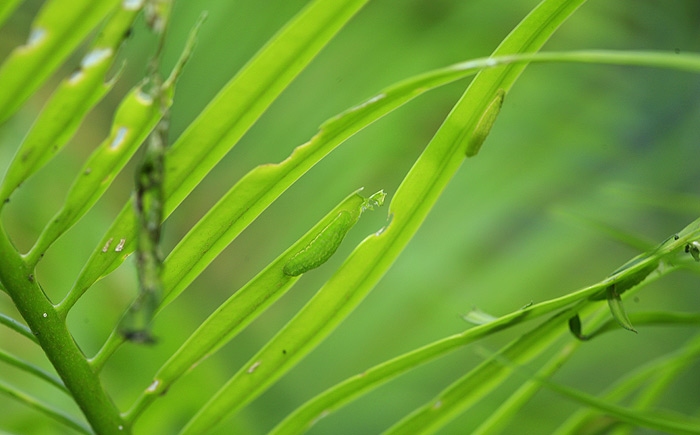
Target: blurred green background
618, 145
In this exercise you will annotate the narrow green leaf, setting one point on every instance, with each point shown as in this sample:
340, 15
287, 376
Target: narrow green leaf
32, 369
17, 327
675, 202
481, 381
484, 379
617, 309
664, 422
498, 420
693, 248
476, 316
224, 121
57, 415
644, 319
58, 29
67, 107
371, 259
248, 95
133, 121
244, 305
335, 397
603, 227
7, 7
661, 380
651, 371
576, 329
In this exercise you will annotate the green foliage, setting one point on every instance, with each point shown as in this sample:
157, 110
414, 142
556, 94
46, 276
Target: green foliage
194, 345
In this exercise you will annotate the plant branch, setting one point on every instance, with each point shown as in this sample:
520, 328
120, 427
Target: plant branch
57, 342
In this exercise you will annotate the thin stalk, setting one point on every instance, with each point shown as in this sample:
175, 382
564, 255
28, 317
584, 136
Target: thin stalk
45, 409
17, 327
32, 369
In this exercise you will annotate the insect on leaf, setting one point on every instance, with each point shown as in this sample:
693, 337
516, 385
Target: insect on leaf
483, 127
322, 247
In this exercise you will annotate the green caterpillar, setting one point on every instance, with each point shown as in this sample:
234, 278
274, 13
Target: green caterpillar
322, 247
483, 127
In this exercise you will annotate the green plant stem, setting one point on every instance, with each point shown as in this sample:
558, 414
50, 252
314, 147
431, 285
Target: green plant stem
110, 346
57, 342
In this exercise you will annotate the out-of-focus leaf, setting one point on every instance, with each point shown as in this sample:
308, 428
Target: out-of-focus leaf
67, 107
478, 317
666, 366
6, 9
602, 227
498, 420
32, 369
478, 383
55, 414
644, 319
17, 327
661, 421
58, 29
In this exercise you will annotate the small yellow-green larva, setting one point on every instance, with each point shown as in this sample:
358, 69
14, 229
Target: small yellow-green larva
322, 247
483, 127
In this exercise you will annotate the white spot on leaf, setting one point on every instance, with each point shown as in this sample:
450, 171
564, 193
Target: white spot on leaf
118, 138
153, 387
132, 5
120, 245
76, 76
255, 365
144, 98
36, 37
95, 56
324, 414
105, 248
